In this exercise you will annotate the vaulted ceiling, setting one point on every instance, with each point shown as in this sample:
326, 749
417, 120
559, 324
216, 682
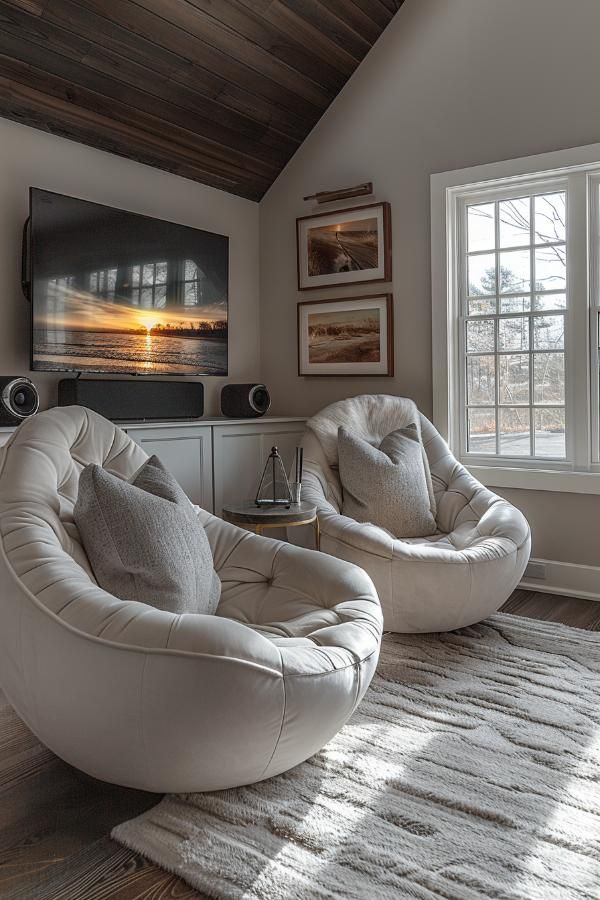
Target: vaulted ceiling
219, 91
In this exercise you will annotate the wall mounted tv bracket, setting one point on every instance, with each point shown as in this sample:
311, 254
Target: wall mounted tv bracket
25, 260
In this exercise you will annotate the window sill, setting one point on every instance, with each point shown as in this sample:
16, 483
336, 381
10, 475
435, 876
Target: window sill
537, 479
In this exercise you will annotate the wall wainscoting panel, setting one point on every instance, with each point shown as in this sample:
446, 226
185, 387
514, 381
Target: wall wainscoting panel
571, 579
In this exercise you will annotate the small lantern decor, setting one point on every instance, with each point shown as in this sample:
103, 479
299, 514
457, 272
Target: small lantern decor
274, 487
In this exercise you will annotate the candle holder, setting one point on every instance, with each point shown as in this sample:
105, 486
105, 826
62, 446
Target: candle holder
274, 487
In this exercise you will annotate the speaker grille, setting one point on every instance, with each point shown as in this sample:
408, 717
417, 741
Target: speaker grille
19, 399
130, 400
245, 401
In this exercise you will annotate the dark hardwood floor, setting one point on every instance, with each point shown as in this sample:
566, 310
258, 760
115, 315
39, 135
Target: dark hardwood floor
55, 822
555, 608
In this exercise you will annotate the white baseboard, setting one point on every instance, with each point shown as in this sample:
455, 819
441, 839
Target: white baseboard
571, 579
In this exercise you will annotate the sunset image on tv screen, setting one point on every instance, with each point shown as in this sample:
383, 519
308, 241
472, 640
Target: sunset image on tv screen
117, 292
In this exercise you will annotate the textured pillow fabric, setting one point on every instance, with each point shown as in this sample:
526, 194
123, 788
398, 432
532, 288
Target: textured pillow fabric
144, 541
386, 485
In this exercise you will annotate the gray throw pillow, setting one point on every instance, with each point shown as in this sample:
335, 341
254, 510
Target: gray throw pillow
386, 485
144, 541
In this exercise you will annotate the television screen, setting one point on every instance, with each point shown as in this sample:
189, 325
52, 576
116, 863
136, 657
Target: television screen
112, 291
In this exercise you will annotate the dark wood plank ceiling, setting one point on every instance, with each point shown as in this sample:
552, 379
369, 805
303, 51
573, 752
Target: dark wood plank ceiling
219, 91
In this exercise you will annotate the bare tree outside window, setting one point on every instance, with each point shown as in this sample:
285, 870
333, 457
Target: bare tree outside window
515, 302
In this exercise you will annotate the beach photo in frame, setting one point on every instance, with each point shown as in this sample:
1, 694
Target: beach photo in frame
349, 246
346, 336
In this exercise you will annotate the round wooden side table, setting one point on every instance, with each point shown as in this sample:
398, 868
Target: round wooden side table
260, 517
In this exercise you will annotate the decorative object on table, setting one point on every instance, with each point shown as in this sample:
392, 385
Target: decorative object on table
248, 514
347, 336
296, 484
359, 190
274, 487
245, 401
470, 770
87, 670
461, 574
347, 246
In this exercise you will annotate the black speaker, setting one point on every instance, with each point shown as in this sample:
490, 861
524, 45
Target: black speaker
129, 400
245, 401
19, 399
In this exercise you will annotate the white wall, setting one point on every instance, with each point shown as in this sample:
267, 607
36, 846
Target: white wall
451, 83
32, 157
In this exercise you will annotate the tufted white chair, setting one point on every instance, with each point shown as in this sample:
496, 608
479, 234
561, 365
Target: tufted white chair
152, 700
459, 575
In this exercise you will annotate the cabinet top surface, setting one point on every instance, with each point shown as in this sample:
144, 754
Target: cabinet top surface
191, 423
210, 421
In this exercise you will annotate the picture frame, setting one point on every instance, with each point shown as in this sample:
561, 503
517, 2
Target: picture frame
346, 336
328, 259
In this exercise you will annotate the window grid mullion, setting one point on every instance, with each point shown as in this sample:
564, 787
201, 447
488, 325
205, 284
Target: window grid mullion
536, 314
532, 286
593, 192
535, 245
461, 276
496, 326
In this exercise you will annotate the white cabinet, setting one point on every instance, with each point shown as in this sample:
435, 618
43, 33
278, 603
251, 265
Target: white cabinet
219, 461
186, 452
216, 461
240, 451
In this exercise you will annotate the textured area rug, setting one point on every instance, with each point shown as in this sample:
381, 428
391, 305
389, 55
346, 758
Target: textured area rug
471, 769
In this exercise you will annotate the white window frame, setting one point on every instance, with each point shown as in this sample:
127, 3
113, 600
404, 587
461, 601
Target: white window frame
579, 169
594, 315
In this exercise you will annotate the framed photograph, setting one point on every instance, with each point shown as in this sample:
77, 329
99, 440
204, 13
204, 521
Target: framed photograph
349, 246
348, 336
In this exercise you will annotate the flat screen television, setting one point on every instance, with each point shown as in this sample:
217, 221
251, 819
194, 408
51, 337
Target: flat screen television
116, 292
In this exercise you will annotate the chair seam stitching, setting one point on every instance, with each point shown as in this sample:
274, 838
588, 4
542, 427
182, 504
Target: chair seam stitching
277, 742
141, 723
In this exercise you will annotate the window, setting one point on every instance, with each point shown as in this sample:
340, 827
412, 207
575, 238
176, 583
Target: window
513, 299
146, 285
149, 285
103, 283
58, 290
192, 284
516, 319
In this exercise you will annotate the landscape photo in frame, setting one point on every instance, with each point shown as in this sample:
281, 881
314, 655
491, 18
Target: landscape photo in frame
349, 246
348, 336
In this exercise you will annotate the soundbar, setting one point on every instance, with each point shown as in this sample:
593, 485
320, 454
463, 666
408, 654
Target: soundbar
121, 400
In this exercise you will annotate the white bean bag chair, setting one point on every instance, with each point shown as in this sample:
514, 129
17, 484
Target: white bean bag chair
459, 575
149, 699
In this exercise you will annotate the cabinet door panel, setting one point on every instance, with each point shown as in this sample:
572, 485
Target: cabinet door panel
186, 453
240, 453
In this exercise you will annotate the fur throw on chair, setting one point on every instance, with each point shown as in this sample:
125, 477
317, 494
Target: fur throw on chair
372, 417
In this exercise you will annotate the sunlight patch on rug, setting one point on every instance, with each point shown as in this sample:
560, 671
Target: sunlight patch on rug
470, 770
